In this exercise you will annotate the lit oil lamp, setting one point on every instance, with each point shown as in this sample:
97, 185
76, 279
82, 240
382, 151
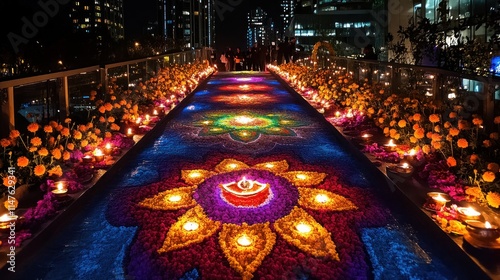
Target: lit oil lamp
391, 146
87, 158
130, 132
410, 154
366, 137
190, 226
155, 112
483, 231
174, 198
245, 192
303, 227
321, 198
60, 190
108, 149
468, 213
244, 240
6, 220
98, 155
438, 199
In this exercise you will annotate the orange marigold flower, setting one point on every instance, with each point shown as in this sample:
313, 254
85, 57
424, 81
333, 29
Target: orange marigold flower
494, 135
386, 130
426, 149
84, 143
497, 120
67, 120
111, 119
487, 143
39, 170
434, 118
392, 123
437, 128
371, 111
413, 139
33, 149
77, 135
449, 138
14, 134
447, 125
477, 121
454, 131
419, 133
22, 161
402, 123
59, 127
108, 106
82, 128
48, 129
488, 176
102, 109
65, 132
117, 106
381, 120
66, 155
90, 125
493, 199
43, 152
114, 127
436, 137
56, 153
36, 141
462, 143
452, 115
436, 145
463, 124
493, 167
429, 135
474, 158
56, 171
416, 126
392, 132
33, 127
70, 146
107, 134
8, 182
451, 161
102, 119
417, 117
51, 141
54, 124
97, 131
5, 142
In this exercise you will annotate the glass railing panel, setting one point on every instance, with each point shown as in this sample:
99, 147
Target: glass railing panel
36, 102
119, 76
80, 89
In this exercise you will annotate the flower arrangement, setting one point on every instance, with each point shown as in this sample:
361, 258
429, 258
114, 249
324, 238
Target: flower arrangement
442, 131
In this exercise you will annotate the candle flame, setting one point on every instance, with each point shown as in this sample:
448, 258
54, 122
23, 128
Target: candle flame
60, 186
98, 152
487, 224
129, 131
108, 146
244, 240
303, 227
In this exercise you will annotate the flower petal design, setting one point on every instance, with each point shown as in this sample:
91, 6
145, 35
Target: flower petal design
245, 136
229, 164
273, 166
318, 199
245, 247
304, 178
171, 199
196, 176
301, 230
192, 227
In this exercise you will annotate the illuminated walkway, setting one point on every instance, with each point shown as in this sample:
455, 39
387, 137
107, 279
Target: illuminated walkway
305, 207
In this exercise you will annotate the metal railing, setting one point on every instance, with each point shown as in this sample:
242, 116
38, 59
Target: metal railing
58, 95
476, 94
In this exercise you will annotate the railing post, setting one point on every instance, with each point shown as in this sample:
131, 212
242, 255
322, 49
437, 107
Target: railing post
63, 98
8, 113
104, 79
489, 105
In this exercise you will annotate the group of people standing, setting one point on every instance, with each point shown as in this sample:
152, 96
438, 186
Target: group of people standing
256, 57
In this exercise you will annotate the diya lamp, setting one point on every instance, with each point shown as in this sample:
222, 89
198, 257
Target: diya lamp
410, 154
438, 199
404, 169
391, 146
108, 149
244, 240
147, 120
366, 137
130, 132
6, 220
482, 231
61, 189
87, 159
468, 213
98, 155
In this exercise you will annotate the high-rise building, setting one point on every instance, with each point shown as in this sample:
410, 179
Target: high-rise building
99, 18
348, 24
187, 23
306, 6
261, 29
288, 11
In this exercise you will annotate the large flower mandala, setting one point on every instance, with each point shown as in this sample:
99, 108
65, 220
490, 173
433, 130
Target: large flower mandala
250, 205
244, 126
240, 99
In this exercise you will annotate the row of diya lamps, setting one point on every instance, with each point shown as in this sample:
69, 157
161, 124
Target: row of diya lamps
482, 230
148, 119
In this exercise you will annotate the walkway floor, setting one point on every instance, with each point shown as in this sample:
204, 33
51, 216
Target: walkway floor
178, 212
